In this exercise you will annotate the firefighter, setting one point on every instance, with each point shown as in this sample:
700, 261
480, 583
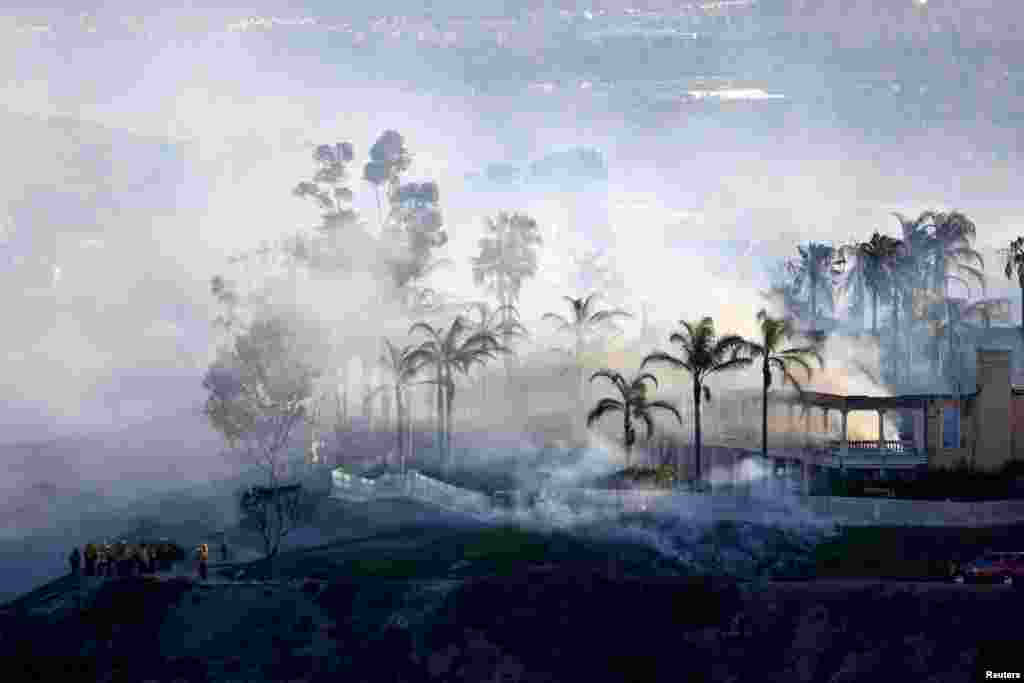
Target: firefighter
123, 562
142, 559
91, 555
204, 557
75, 560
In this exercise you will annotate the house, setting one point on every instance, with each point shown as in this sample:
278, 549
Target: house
983, 427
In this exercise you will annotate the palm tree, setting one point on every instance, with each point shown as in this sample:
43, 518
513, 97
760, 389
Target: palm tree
704, 354
633, 405
507, 258
401, 373
873, 263
584, 323
503, 322
774, 332
814, 269
1015, 264
952, 237
450, 351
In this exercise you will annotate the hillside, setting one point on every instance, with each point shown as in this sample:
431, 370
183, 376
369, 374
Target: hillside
537, 624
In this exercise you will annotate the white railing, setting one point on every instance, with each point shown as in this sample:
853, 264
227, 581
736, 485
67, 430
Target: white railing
412, 485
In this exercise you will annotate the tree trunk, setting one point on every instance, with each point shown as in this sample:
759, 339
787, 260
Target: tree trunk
629, 440
874, 312
399, 427
439, 401
814, 298
449, 421
764, 410
696, 430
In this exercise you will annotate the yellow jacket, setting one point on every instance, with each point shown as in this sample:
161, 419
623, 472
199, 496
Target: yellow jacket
91, 551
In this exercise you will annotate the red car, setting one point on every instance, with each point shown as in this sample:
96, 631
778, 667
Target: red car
993, 567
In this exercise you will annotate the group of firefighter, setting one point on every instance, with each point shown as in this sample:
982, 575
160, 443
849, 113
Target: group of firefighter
122, 559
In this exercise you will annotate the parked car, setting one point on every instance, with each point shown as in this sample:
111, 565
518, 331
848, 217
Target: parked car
993, 567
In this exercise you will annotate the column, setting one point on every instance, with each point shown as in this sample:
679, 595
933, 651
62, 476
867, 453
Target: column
807, 426
844, 445
881, 441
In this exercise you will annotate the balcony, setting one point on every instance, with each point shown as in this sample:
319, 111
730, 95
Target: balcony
890, 454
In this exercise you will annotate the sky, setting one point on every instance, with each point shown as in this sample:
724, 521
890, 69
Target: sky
182, 131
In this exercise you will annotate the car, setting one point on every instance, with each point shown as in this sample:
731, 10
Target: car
993, 567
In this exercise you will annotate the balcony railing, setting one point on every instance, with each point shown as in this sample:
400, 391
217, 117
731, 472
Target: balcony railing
866, 453
889, 446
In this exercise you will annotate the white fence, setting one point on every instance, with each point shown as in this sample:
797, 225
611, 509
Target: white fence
412, 485
847, 511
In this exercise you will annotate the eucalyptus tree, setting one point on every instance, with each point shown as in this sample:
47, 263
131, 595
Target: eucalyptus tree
329, 190
704, 354
1015, 265
774, 333
389, 159
632, 403
585, 323
450, 351
260, 387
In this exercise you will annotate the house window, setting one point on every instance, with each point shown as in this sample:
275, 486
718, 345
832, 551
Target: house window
951, 427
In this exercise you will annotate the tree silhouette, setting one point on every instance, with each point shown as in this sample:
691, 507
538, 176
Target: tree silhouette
585, 324
704, 354
507, 257
633, 405
1015, 264
774, 332
448, 352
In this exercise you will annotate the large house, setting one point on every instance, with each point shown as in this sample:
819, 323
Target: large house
982, 427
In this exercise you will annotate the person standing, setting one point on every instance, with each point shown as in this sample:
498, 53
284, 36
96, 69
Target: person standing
204, 558
75, 560
223, 551
90, 559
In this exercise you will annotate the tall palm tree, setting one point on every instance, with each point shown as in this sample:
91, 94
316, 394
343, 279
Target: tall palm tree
401, 375
704, 354
873, 263
585, 324
774, 332
953, 234
1015, 264
633, 405
507, 258
502, 321
449, 352
814, 270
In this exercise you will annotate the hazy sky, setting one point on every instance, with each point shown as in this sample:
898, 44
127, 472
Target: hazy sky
769, 121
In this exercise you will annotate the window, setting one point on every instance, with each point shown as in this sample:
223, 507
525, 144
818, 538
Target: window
951, 427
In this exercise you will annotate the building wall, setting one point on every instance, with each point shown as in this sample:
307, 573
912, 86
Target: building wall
1017, 416
993, 410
